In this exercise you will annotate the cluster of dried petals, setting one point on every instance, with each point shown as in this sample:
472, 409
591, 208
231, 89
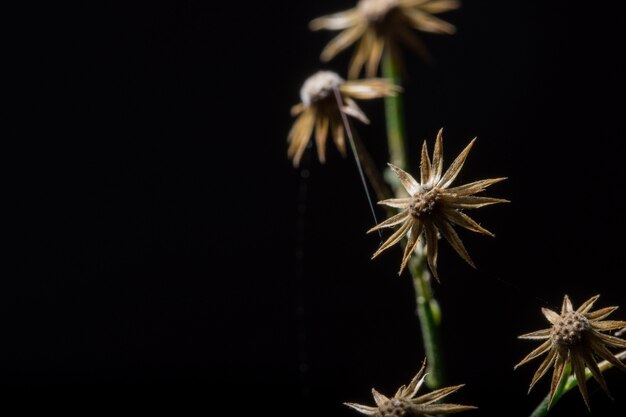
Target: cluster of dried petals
320, 110
405, 403
433, 207
576, 337
378, 25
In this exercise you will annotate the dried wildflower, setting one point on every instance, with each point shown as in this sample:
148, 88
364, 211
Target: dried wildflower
380, 24
434, 208
404, 405
576, 338
319, 110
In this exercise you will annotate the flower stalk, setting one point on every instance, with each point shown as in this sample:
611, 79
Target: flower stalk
394, 114
428, 313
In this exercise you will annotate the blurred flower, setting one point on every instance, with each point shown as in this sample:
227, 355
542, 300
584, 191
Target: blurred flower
434, 208
380, 24
404, 405
319, 110
576, 338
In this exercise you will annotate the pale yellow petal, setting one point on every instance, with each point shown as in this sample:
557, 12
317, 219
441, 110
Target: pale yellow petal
437, 158
408, 182
586, 306
543, 368
425, 168
428, 23
567, 305
557, 375
335, 21
321, 133
375, 55
353, 109
474, 187
390, 222
300, 134
436, 395
414, 234
538, 335
401, 203
601, 314
455, 167
369, 88
363, 409
552, 316
440, 6
461, 219
379, 398
342, 41
416, 382
448, 232
543, 348
432, 249
578, 369
469, 202
393, 239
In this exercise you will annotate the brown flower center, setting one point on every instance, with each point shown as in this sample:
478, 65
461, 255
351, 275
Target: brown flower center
319, 86
396, 407
570, 329
424, 203
376, 10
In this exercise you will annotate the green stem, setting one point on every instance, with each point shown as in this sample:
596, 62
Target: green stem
427, 308
394, 114
429, 316
568, 384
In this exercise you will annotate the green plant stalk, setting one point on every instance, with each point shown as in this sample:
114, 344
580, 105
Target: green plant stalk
427, 308
394, 114
568, 384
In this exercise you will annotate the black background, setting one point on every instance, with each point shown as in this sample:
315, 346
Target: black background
154, 260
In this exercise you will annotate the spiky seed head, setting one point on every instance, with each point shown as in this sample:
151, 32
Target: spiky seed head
433, 207
423, 204
570, 330
319, 86
405, 402
576, 337
395, 407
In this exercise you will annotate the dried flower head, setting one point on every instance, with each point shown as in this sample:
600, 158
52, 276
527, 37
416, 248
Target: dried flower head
403, 403
319, 110
381, 24
577, 338
434, 208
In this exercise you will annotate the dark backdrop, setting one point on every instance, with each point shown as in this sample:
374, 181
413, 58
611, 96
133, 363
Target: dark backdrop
166, 254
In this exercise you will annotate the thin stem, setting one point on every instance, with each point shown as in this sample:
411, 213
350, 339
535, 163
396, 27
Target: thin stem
427, 309
568, 384
394, 114
429, 316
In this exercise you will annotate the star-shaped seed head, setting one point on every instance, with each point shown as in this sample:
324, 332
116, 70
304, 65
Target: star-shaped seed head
576, 337
433, 207
405, 403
